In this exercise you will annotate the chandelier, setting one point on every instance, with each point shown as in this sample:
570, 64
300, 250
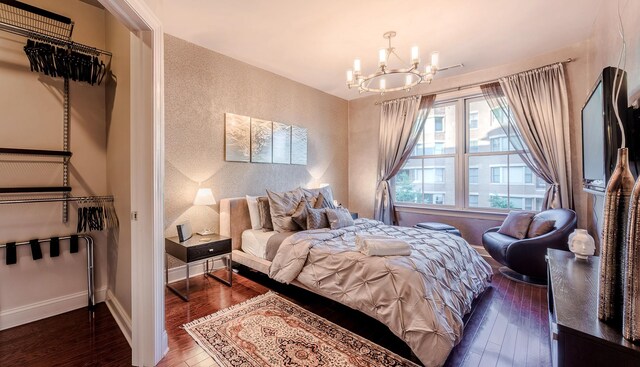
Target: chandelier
391, 80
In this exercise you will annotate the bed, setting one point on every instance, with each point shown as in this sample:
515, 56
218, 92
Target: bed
422, 298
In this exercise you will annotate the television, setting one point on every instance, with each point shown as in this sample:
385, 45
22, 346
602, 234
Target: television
601, 135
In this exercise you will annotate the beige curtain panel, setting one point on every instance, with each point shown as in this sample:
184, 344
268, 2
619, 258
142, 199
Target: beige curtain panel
537, 108
401, 122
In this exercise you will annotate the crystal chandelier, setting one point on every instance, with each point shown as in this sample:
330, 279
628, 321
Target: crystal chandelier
391, 80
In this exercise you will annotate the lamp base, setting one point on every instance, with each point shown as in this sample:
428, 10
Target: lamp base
205, 232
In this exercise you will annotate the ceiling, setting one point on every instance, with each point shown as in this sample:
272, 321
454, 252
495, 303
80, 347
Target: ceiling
314, 42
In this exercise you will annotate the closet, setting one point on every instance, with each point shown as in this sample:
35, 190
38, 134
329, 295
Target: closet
64, 184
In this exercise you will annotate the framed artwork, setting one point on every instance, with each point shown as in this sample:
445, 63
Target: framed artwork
298, 145
261, 141
281, 143
237, 137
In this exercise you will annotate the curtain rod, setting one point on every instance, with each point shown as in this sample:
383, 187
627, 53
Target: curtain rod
467, 86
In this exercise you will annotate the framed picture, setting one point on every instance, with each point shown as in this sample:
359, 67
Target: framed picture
298, 145
261, 141
281, 143
237, 137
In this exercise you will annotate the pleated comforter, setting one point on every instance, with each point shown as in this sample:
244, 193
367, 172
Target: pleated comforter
422, 298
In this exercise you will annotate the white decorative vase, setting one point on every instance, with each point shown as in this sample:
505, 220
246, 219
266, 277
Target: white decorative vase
582, 244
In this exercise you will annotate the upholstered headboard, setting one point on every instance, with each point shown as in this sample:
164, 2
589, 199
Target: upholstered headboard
234, 219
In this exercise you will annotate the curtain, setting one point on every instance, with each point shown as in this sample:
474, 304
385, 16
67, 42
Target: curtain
535, 116
401, 122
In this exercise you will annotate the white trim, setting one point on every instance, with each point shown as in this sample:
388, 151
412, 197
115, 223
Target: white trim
120, 315
452, 212
43, 309
148, 340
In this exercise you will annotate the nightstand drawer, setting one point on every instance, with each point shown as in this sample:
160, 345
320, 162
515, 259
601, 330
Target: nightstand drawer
208, 250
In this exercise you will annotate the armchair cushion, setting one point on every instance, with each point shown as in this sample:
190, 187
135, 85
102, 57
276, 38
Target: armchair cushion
517, 224
540, 226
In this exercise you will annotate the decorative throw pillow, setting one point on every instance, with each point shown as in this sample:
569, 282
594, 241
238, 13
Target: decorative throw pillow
319, 202
265, 214
339, 218
317, 218
283, 205
517, 224
540, 226
327, 197
254, 214
301, 213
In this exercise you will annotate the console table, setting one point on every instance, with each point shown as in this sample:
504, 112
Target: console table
578, 338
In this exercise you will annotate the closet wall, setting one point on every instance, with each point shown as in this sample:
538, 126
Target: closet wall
32, 117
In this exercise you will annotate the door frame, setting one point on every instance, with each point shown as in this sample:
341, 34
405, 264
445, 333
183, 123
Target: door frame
149, 342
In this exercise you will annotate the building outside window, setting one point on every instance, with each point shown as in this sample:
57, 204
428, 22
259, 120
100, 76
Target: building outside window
495, 177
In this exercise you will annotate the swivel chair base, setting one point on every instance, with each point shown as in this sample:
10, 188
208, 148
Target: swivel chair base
515, 276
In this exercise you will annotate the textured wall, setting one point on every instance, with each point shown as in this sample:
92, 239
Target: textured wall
118, 106
32, 113
604, 50
200, 87
364, 118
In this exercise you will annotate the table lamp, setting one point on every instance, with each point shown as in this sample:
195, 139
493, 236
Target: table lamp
204, 197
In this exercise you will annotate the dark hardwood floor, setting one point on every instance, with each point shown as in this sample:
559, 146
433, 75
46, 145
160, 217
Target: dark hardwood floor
508, 328
72, 339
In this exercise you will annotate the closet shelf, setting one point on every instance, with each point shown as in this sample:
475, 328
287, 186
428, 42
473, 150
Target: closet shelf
19, 190
38, 152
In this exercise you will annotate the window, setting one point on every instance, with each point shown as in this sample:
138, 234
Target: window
473, 120
494, 175
473, 146
428, 176
473, 175
499, 144
438, 124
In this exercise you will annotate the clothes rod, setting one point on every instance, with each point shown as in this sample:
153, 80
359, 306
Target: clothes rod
107, 198
51, 39
473, 85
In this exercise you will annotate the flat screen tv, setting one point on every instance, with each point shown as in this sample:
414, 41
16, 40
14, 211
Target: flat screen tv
601, 136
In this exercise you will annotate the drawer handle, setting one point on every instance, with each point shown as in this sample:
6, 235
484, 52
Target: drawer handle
210, 250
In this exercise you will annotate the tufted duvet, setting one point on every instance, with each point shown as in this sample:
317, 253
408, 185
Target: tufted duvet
422, 298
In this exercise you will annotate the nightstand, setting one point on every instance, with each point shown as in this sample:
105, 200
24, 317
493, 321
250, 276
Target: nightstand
210, 247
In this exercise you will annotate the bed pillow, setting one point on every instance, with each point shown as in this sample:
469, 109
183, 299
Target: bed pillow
339, 217
516, 224
254, 214
283, 205
327, 197
265, 214
301, 213
540, 226
317, 218
319, 202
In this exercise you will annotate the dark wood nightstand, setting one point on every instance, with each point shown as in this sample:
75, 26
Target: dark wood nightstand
210, 247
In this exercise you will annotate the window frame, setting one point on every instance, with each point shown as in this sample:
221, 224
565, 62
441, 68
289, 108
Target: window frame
461, 159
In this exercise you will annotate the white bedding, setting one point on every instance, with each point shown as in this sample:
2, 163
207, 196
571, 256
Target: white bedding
254, 242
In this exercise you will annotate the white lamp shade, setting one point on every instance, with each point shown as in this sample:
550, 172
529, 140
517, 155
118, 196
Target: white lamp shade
204, 197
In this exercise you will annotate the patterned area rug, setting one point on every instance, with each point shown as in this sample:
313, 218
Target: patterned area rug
270, 331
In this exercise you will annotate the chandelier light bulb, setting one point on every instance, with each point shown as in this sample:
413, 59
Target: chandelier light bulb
383, 84
382, 57
415, 55
435, 59
428, 70
349, 76
407, 80
356, 66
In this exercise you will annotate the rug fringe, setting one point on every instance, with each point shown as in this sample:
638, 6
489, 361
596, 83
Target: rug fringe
193, 323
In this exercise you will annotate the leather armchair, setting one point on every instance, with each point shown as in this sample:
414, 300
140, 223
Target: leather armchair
526, 257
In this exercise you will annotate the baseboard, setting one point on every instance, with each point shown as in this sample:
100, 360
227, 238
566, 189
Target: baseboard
120, 315
51, 307
195, 268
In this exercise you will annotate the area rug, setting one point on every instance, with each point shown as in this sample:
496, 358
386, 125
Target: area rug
270, 331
